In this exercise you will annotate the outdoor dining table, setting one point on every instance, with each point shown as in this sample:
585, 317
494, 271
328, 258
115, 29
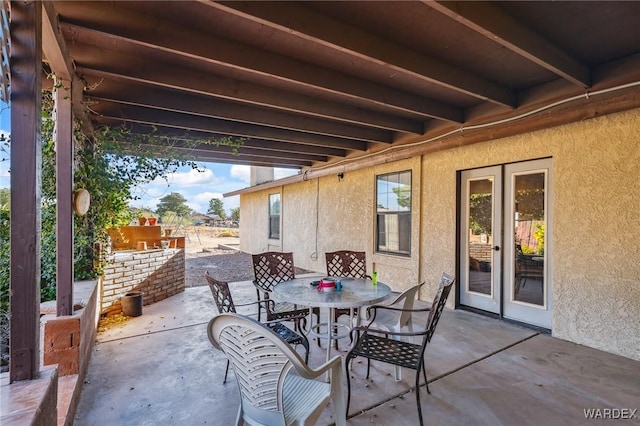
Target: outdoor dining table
355, 293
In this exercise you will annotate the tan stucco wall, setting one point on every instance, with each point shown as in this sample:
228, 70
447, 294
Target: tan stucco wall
594, 263
328, 214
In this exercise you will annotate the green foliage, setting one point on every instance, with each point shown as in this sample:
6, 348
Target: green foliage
109, 174
235, 214
173, 202
216, 206
526, 249
4, 259
538, 234
403, 192
480, 213
5, 197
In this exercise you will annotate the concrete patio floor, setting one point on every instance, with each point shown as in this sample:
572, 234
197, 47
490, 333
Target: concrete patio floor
160, 369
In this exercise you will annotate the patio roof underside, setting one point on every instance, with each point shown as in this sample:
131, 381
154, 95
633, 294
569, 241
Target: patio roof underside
312, 83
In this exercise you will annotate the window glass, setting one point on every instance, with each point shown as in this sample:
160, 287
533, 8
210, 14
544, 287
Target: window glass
274, 216
393, 213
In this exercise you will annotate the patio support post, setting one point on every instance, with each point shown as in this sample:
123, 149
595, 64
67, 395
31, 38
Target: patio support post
64, 198
26, 151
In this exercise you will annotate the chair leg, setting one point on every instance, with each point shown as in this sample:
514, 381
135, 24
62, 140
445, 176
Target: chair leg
424, 373
305, 343
226, 371
418, 396
368, 366
347, 360
259, 304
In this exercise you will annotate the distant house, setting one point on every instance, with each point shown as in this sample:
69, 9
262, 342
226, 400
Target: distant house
199, 219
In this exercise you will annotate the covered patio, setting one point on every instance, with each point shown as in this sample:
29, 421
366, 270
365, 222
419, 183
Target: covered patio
360, 88
160, 369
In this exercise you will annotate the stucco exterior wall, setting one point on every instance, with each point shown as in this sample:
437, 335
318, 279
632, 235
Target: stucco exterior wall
329, 214
595, 268
594, 264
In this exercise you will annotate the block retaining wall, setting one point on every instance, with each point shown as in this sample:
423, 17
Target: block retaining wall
158, 274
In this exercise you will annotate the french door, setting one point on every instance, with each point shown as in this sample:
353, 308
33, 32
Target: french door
504, 255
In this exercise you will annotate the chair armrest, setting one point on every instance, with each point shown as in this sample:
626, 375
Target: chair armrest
387, 332
265, 301
371, 316
307, 372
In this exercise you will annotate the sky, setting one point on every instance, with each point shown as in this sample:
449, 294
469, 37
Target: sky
197, 188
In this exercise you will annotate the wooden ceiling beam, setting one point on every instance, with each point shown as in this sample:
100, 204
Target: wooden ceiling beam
190, 122
54, 51
184, 42
167, 100
218, 157
209, 150
491, 22
174, 135
121, 67
326, 32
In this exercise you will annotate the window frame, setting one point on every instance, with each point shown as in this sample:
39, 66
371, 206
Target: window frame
273, 215
403, 216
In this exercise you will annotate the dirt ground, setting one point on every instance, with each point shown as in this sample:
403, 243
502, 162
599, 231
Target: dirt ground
213, 250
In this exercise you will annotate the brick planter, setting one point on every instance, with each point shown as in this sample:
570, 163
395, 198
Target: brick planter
158, 274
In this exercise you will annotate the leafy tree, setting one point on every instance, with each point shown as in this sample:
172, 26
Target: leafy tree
235, 214
173, 202
216, 206
5, 195
403, 192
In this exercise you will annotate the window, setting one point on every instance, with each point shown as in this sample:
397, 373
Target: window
274, 216
393, 213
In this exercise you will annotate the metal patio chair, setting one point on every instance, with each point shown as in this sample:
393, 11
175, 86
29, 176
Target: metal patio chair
395, 320
526, 267
346, 263
222, 296
276, 386
269, 269
374, 344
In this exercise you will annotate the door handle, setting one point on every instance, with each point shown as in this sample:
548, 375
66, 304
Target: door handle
496, 248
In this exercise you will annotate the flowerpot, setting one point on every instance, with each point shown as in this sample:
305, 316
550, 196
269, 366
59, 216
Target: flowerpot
142, 221
132, 304
167, 232
152, 221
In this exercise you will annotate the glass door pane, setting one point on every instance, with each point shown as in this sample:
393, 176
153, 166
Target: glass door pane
529, 227
481, 218
480, 240
527, 250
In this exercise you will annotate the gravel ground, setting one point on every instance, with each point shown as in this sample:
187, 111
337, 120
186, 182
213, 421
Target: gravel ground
204, 252
224, 265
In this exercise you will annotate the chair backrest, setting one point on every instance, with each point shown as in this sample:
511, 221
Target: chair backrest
346, 263
260, 360
221, 294
440, 299
271, 268
409, 297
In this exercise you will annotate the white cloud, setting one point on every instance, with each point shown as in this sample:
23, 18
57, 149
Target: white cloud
242, 173
199, 188
282, 173
190, 178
